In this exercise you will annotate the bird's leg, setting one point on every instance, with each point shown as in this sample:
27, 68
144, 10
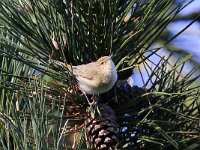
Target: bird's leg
93, 105
90, 103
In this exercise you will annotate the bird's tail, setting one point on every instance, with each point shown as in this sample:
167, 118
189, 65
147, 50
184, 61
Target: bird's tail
61, 64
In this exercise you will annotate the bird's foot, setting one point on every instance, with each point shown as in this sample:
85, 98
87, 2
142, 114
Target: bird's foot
93, 106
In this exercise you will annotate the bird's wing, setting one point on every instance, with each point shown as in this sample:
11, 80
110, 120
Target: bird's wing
85, 71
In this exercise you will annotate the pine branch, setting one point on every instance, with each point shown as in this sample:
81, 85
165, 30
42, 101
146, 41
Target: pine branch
188, 17
42, 108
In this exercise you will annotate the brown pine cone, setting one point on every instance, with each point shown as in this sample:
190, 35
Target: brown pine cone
102, 130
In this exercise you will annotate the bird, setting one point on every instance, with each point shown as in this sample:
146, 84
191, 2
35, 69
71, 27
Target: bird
95, 77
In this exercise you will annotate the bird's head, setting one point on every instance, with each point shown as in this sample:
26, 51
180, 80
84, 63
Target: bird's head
105, 63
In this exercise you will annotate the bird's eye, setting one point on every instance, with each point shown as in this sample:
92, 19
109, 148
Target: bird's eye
102, 62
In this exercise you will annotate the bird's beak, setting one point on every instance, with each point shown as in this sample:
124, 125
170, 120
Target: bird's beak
110, 56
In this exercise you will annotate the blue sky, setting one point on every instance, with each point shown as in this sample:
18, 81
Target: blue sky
193, 7
189, 40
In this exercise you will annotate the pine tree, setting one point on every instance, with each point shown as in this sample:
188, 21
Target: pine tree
41, 106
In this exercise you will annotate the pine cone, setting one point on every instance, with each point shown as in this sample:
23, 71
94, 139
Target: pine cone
102, 130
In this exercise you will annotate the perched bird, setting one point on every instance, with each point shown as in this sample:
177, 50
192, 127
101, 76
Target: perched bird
96, 77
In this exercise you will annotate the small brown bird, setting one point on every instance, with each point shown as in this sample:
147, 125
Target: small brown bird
96, 77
